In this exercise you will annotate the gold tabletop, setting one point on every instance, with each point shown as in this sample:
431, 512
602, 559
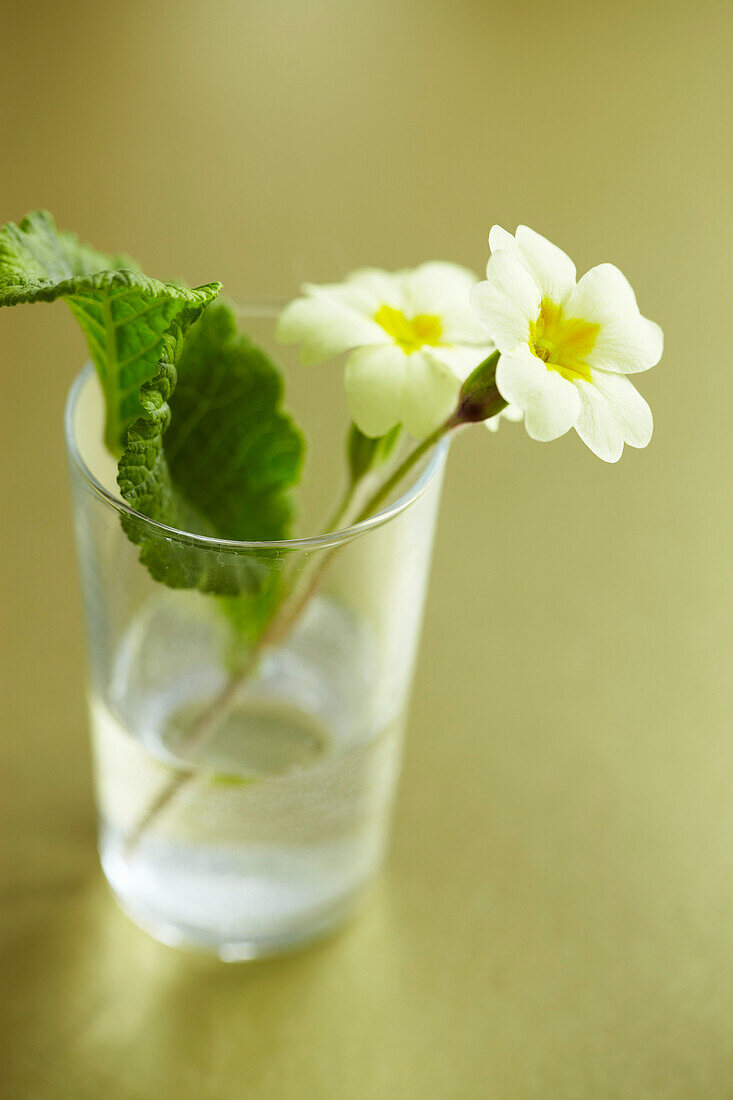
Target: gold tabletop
555, 916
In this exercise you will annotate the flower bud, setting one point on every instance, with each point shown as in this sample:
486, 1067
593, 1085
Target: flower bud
479, 398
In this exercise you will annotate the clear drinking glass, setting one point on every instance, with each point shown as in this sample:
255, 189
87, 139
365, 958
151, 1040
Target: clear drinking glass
257, 831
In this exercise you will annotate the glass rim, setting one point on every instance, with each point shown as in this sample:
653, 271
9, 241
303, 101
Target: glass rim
308, 542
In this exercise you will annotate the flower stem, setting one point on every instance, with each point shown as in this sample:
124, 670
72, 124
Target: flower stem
286, 615
402, 470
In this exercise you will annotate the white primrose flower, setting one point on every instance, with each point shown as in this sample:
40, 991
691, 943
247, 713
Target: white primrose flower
411, 335
567, 346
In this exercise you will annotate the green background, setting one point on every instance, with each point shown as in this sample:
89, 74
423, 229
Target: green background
556, 919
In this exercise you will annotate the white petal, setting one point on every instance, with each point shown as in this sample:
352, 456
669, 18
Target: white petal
460, 325
366, 289
507, 301
375, 380
627, 346
627, 342
553, 271
324, 327
597, 425
601, 294
429, 287
613, 413
443, 289
499, 238
550, 403
460, 360
429, 396
632, 412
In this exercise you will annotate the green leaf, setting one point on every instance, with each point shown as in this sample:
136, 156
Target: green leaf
213, 454
365, 453
35, 257
230, 448
130, 321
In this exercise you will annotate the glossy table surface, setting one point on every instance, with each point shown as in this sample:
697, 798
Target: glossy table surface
555, 916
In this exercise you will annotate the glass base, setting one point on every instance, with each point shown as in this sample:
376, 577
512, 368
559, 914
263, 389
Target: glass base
266, 844
232, 948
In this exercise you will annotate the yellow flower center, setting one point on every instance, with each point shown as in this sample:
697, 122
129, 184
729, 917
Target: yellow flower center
563, 343
411, 333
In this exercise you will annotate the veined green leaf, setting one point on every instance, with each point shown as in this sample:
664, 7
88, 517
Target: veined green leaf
230, 448
214, 454
130, 322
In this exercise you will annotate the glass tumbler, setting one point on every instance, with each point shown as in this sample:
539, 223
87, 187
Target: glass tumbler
242, 812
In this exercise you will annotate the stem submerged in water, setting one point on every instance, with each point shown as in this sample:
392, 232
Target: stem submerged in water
286, 615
